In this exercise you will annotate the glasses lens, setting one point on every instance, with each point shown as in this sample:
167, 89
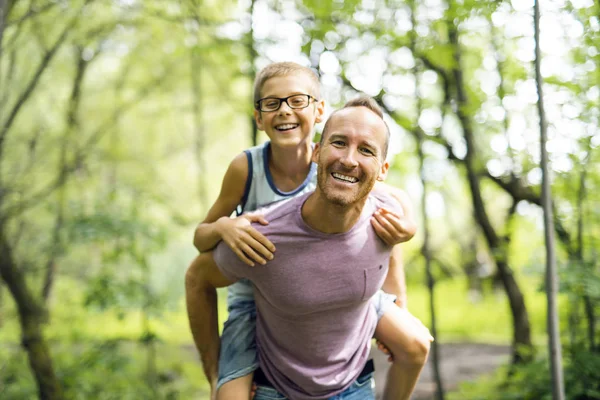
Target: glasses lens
298, 101
269, 104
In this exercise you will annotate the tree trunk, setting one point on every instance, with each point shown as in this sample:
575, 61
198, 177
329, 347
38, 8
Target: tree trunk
522, 347
435, 348
554, 346
31, 315
252, 55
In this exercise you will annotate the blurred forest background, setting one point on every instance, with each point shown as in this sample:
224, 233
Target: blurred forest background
119, 117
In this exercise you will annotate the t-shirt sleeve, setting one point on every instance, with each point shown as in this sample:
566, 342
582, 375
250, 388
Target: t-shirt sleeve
386, 200
229, 263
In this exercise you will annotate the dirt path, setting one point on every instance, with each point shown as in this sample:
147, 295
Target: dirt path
460, 362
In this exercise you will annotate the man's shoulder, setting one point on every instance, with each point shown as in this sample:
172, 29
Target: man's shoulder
282, 209
382, 197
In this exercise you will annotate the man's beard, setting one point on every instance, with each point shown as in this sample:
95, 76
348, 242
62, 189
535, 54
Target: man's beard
346, 198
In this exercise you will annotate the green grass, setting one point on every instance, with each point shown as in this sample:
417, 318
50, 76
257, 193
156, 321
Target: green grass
458, 320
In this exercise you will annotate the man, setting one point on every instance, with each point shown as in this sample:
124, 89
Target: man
316, 315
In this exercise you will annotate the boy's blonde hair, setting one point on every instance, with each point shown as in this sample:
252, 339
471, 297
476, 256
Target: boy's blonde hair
285, 69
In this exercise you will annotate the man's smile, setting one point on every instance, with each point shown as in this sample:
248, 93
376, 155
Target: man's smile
344, 178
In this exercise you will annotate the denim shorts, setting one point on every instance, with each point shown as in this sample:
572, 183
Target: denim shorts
238, 355
363, 388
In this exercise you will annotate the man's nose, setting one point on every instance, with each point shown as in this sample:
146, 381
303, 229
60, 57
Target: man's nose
348, 160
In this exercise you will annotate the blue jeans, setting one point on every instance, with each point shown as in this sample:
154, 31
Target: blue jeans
361, 389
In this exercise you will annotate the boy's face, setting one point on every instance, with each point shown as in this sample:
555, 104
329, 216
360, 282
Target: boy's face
350, 157
287, 126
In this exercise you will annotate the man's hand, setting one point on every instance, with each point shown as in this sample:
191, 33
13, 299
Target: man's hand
391, 227
247, 243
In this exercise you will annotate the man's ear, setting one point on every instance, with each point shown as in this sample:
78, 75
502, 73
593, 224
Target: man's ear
258, 119
315, 154
384, 170
320, 110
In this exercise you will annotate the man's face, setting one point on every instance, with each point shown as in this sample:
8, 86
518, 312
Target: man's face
350, 157
287, 126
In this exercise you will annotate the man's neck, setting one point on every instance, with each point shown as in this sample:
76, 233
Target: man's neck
323, 216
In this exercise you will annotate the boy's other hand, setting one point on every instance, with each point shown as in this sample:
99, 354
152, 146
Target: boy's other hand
247, 243
391, 227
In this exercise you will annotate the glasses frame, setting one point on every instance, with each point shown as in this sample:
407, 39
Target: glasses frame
258, 104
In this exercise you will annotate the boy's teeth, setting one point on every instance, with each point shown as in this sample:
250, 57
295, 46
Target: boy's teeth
350, 179
286, 127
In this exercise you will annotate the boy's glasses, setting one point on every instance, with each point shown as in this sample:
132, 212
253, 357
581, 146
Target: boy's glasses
295, 101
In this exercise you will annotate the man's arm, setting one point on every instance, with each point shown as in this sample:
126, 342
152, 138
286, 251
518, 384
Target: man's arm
201, 281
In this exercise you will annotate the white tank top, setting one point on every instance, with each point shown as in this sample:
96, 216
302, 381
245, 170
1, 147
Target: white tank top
260, 191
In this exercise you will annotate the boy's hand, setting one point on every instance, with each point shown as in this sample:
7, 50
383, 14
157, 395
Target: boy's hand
391, 227
247, 243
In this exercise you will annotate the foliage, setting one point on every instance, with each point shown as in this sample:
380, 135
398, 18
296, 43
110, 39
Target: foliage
118, 119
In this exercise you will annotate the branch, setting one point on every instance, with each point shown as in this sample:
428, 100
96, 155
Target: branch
30, 14
33, 83
79, 156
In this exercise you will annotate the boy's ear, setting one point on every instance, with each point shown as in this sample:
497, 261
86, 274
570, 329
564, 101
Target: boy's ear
384, 170
320, 110
258, 119
315, 154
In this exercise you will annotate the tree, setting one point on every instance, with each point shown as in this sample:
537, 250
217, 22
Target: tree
555, 350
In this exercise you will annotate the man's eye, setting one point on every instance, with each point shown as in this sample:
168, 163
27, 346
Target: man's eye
367, 151
337, 143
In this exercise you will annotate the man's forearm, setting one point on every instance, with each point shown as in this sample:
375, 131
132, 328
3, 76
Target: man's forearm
395, 282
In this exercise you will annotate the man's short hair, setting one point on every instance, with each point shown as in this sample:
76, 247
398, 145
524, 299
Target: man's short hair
285, 69
371, 104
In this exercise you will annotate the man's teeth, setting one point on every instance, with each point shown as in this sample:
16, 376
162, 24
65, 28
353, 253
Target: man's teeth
286, 127
350, 179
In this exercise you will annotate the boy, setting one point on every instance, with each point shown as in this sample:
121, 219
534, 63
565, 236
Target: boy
287, 106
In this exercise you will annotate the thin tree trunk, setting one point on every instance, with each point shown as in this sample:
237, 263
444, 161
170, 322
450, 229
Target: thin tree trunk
31, 316
252, 72
196, 76
522, 346
558, 390
587, 301
57, 248
435, 348
435, 353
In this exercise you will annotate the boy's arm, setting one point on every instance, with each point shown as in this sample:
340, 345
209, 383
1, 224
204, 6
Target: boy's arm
394, 227
207, 233
395, 282
246, 242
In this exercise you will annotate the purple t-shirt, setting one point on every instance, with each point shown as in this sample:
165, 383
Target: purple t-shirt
314, 319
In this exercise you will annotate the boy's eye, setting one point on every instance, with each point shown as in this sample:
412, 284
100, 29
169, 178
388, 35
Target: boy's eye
270, 103
297, 101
